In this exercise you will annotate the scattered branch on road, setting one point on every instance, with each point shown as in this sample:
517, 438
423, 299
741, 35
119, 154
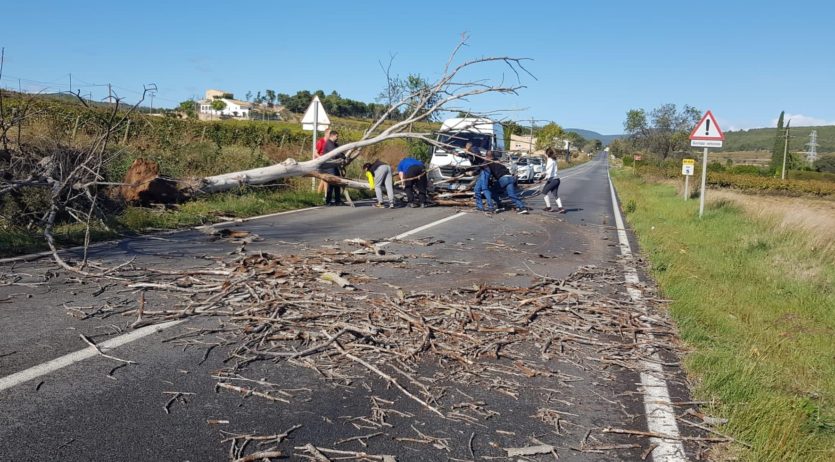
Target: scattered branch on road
276, 311
101, 353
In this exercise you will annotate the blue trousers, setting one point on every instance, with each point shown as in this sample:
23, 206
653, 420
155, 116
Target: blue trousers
508, 183
482, 186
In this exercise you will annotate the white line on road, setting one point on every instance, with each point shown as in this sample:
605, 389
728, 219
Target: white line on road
661, 418
421, 228
80, 355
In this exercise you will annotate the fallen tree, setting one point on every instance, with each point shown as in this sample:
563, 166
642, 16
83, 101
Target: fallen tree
68, 177
442, 95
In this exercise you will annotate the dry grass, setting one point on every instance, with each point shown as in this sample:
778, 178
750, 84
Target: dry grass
814, 217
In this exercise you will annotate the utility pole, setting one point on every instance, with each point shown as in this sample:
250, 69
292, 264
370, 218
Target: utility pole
785, 150
812, 153
151, 89
530, 152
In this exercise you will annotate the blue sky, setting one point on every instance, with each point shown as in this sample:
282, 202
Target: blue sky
593, 60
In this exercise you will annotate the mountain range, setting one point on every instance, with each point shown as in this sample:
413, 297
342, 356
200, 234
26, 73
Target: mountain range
592, 135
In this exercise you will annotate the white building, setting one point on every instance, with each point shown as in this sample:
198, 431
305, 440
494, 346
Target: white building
235, 109
521, 143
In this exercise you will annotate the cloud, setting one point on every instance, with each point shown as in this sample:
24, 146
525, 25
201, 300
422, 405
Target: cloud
800, 120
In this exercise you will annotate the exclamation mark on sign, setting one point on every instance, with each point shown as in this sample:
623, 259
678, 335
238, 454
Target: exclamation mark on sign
707, 127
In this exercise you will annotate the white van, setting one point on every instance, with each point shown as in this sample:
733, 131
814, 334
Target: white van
446, 163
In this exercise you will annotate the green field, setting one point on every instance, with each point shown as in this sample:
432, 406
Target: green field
755, 306
762, 139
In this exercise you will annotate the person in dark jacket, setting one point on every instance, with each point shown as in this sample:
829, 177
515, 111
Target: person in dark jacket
413, 175
333, 167
507, 182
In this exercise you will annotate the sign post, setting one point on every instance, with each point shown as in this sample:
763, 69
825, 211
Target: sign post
635, 160
314, 118
707, 134
687, 168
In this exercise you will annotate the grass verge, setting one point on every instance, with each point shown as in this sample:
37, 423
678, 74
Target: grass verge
135, 220
756, 307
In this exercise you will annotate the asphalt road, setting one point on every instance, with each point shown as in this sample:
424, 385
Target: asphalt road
87, 411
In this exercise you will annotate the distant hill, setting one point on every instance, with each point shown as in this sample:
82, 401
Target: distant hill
590, 135
762, 139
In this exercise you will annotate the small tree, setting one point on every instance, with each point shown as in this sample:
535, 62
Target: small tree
776, 164
550, 136
218, 105
189, 108
666, 130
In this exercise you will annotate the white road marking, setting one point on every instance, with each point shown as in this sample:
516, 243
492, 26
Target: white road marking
661, 417
71, 358
421, 228
269, 215
80, 355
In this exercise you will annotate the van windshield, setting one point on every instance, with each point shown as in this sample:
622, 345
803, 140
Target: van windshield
458, 140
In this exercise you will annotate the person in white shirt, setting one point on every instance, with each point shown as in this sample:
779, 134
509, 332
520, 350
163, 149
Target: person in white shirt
552, 181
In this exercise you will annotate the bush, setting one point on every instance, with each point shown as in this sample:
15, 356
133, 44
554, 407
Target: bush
825, 164
628, 161
715, 166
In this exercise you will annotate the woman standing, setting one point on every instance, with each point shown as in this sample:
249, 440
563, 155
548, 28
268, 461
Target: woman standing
552, 181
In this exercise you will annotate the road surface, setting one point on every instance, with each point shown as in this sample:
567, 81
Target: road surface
60, 400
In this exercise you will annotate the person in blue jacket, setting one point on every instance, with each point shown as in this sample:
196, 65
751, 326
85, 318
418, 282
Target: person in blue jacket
413, 176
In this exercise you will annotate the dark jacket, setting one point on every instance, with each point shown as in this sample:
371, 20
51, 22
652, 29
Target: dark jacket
333, 166
376, 164
497, 169
330, 146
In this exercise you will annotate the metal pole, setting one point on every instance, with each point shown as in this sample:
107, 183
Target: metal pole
704, 181
315, 127
686, 187
785, 152
530, 150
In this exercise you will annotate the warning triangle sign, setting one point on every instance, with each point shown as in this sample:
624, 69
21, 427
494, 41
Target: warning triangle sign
707, 129
316, 111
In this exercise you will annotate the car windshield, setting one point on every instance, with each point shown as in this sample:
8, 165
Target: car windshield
522, 161
458, 140
536, 161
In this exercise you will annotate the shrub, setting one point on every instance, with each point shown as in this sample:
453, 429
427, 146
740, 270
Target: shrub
826, 164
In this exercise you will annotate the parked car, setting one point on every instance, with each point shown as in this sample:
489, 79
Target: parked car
538, 167
524, 170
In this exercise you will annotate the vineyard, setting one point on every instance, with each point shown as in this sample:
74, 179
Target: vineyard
183, 147
822, 186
